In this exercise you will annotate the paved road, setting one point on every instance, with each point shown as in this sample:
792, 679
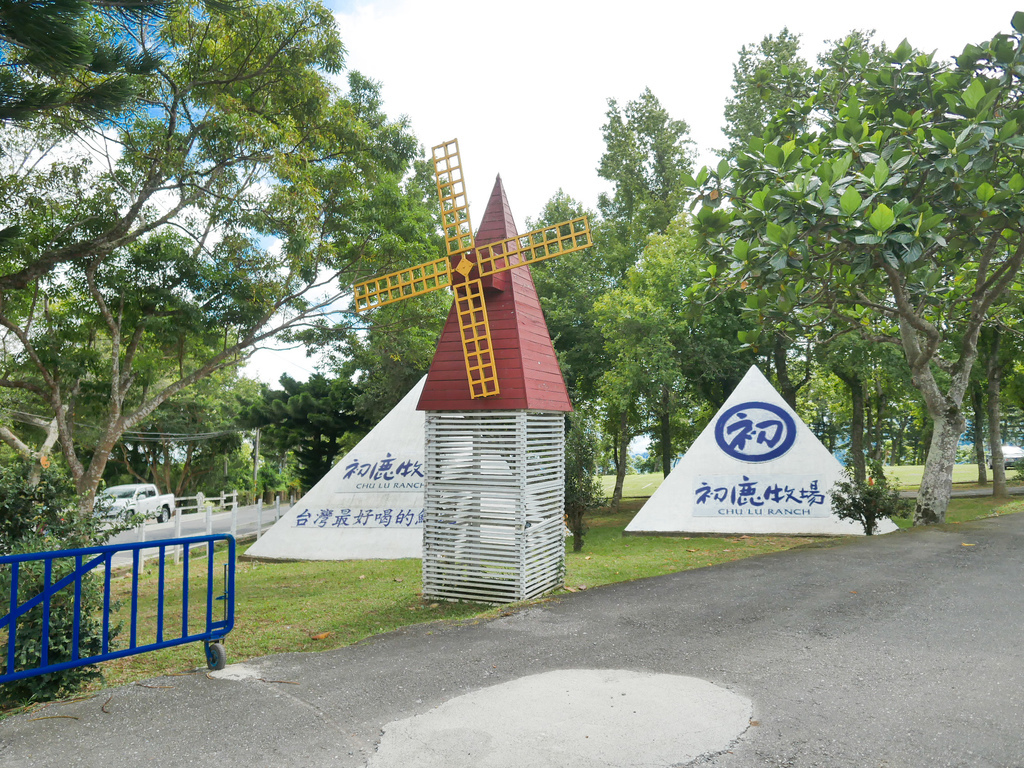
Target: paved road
891, 651
194, 524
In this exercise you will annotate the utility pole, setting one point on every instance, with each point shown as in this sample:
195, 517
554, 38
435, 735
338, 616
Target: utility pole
256, 465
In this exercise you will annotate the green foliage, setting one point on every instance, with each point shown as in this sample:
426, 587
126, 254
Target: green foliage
647, 156
767, 77
391, 348
886, 203
582, 483
568, 288
193, 441
56, 56
238, 206
394, 351
868, 501
315, 418
42, 516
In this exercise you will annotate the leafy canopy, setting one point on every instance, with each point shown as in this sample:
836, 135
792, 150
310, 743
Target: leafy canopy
890, 201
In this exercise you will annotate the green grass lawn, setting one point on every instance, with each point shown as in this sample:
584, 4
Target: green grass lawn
962, 510
634, 486
964, 476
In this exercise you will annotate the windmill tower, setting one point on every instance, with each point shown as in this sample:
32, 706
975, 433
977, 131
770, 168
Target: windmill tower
494, 400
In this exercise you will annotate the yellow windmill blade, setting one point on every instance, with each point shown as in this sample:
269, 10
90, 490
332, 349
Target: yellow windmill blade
477, 347
451, 194
474, 328
395, 286
541, 244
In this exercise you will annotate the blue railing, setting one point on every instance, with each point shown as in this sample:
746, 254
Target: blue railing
196, 622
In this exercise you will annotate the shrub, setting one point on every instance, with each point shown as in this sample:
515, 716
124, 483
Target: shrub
870, 501
37, 517
582, 486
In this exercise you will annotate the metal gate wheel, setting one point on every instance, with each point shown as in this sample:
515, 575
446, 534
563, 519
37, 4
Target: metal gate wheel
216, 656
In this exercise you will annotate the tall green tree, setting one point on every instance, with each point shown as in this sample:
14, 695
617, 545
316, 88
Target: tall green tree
315, 418
664, 355
237, 206
568, 288
873, 375
891, 200
391, 348
767, 77
999, 348
56, 55
191, 442
647, 156
582, 485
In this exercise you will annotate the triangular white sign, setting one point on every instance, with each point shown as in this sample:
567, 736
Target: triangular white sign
369, 506
755, 469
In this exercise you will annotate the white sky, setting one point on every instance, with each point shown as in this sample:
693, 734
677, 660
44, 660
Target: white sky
524, 84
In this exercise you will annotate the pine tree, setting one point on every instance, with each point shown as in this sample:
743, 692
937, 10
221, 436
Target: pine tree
57, 55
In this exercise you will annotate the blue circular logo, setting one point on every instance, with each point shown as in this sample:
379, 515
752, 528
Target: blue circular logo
755, 432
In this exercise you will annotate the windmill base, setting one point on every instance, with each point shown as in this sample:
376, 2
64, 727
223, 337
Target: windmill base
494, 505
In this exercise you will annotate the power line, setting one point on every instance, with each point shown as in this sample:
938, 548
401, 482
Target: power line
132, 436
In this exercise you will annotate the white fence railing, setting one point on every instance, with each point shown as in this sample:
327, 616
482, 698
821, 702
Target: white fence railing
226, 502
207, 505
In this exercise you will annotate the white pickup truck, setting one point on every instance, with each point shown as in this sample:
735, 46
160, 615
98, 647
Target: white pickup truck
136, 498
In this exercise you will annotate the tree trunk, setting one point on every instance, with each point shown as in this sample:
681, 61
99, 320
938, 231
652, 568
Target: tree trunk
666, 432
787, 387
924, 441
857, 429
978, 411
856, 387
621, 460
994, 373
937, 482
878, 426
944, 406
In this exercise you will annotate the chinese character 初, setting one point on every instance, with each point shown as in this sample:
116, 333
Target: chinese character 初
356, 468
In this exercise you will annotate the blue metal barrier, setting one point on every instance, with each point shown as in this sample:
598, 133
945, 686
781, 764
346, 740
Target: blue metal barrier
101, 561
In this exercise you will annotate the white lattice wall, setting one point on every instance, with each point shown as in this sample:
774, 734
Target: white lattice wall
493, 527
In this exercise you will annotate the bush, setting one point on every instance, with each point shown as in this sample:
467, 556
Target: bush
582, 485
44, 516
870, 501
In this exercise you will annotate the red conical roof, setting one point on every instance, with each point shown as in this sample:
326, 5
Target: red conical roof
528, 374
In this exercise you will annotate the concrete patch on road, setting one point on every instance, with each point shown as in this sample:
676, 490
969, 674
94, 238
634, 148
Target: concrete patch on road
237, 672
573, 717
